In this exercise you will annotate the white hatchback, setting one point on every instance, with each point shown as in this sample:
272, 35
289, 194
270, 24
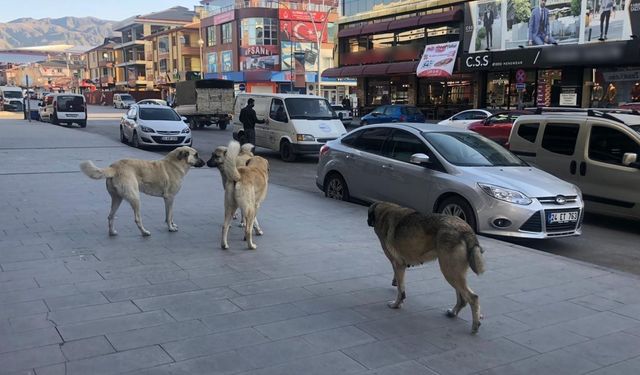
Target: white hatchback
462, 119
154, 125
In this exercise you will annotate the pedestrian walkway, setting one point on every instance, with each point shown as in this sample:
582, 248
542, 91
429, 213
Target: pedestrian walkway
310, 300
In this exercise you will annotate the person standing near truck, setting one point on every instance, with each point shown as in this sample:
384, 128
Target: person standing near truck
249, 119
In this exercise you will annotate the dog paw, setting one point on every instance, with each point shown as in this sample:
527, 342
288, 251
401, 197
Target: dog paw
224, 246
146, 233
450, 313
252, 247
259, 232
394, 282
173, 229
394, 304
235, 216
474, 328
113, 233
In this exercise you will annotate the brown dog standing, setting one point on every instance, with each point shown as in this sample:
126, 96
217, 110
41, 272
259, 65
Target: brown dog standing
409, 238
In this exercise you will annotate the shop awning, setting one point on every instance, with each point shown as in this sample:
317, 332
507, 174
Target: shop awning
430, 19
353, 31
375, 69
375, 28
352, 71
404, 23
407, 67
332, 72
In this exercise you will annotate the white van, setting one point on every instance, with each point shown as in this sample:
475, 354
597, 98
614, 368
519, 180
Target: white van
295, 124
596, 149
11, 98
64, 109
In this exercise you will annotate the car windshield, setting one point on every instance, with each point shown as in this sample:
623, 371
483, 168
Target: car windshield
126, 97
70, 103
412, 111
471, 150
636, 128
12, 94
160, 114
309, 109
337, 107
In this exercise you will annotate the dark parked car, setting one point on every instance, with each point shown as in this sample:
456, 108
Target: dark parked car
497, 127
393, 113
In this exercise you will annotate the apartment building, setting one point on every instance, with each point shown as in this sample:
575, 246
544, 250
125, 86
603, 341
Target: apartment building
101, 64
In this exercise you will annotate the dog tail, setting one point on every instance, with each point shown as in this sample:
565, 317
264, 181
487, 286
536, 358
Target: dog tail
474, 254
94, 172
246, 148
230, 157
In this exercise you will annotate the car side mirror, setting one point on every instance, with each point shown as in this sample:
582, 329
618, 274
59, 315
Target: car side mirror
419, 159
630, 159
184, 119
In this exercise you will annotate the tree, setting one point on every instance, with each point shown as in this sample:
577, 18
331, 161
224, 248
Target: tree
576, 7
521, 10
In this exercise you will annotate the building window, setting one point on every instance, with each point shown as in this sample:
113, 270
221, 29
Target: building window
211, 36
163, 65
212, 62
410, 36
227, 33
560, 138
186, 40
259, 32
382, 40
163, 44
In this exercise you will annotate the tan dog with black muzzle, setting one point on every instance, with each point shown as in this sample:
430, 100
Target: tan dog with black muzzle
409, 238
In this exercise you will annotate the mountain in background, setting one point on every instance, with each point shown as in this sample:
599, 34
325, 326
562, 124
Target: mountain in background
78, 31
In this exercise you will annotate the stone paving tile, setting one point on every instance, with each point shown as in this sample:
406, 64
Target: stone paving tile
102, 285
86, 348
210, 344
596, 302
629, 367
256, 301
608, 350
338, 338
30, 322
220, 363
279, 352
345, 286
29, 358
556, 363
86, 313
120, 362
69, 278
404, 368
600, 324
29, 339
547, 339
160, 334
75, 301
542, 316
474, 358
10, 286
37, 293
632, 311
250, 318
9, 310
404, 324
114, 324
309, 324
271, 285
330, 363
150, 290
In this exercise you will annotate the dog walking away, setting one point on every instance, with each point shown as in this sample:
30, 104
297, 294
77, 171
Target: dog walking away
126, 178
246, 188
409, 238
217, 161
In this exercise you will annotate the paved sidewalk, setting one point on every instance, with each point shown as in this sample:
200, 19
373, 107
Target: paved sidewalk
310, 300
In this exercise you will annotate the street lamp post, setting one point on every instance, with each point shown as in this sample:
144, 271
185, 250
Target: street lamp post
201, 44
319, 37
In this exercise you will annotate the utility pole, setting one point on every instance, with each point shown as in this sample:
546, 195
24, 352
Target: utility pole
319, 36
28, 101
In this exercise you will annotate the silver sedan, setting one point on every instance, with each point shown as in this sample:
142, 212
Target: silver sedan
154, 125
432, 168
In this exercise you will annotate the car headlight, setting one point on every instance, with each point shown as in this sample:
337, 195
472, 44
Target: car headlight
185, 131
578, 191
146, 129
504, 194
305, 137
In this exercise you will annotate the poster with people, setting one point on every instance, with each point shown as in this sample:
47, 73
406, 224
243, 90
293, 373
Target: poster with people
288, 50
511, 24
226, 59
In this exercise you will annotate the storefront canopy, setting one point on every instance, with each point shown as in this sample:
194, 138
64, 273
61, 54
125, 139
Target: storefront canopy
405, 67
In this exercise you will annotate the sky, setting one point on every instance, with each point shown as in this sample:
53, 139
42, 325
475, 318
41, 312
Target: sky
113, 10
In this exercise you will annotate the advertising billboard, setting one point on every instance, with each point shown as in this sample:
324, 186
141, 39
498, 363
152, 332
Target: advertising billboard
438, 60
212, 62
291, 49
259, 58
511, 24
226, 61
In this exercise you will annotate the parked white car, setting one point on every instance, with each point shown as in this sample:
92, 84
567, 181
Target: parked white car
123, 100
345, 115
154, 125
153, 101
463, 119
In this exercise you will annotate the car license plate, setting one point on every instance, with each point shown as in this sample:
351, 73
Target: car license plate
169, 138
562, 217
70, 115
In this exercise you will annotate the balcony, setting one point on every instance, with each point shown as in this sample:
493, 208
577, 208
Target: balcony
105, 80
106, 64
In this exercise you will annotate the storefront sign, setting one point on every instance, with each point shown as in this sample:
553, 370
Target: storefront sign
510, 25
300, 31
568, 99
223, 17
300, 15
259, 58
622, 75
438, 60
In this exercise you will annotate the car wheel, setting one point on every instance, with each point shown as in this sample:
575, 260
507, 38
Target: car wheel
222, 124
54, 119
135, 141
457, 206
193, 124
286, 151
83, 124
123, 138
336, 188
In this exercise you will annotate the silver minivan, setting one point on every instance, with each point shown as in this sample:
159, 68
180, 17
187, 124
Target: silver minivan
595, 149
433, 168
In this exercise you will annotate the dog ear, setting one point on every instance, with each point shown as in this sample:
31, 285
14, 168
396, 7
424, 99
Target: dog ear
371, 217
183, 154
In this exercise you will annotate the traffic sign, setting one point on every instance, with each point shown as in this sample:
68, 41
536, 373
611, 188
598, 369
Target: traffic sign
521, 76
521, 86
241, 87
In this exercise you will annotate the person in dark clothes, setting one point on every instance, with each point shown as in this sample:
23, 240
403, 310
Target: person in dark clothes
249, 120
346, 103
487, 20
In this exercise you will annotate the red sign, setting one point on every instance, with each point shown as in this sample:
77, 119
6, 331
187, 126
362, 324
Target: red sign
223, 17
300, 31
259, 51
300, 15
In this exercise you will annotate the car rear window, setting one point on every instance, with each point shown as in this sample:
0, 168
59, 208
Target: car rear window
70, 103
372, 140
560, 138
412, 111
